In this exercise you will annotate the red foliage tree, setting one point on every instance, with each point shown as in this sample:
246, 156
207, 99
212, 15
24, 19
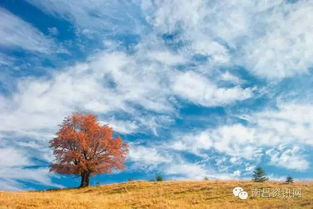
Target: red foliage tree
83, 147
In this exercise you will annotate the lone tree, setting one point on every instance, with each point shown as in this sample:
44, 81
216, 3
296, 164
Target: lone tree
159, 178
83, 147
289, 179
259, 175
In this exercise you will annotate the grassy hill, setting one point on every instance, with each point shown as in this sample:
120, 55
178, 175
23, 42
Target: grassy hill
161, 195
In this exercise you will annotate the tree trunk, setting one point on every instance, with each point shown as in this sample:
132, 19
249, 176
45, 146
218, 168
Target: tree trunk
85, 179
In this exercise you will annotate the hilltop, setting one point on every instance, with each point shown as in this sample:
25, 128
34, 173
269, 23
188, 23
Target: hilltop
160, 195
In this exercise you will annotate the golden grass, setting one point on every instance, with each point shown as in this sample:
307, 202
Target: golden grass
158, 195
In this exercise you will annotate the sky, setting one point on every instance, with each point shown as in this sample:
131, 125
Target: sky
202, 88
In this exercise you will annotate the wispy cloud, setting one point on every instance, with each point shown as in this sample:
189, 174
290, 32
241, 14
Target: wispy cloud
277, 134
270, 38
93, 17
200, 90
16, 33
290, 158
15, 166
110, 82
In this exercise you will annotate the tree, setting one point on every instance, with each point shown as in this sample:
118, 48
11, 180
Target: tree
159, 178
83, 147
289, 179
259, 175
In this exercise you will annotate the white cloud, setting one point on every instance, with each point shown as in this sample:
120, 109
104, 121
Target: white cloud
234, 140
121, 126
290, 125
187, 171
11, 157
10, 177
10, 185
288, 158
146, 155
110, 82
94, 17
227, 76
285, 47
198, 89
161, 158
272, 39
189, 18
14, 162
53, 31
82, 87
166, 57
16, 33
6, 60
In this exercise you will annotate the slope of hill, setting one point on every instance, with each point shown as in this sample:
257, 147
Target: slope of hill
165, 195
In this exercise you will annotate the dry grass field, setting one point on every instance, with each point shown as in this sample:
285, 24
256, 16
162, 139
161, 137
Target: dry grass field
160, 195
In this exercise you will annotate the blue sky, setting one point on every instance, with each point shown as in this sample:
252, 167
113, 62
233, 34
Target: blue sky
197, 89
